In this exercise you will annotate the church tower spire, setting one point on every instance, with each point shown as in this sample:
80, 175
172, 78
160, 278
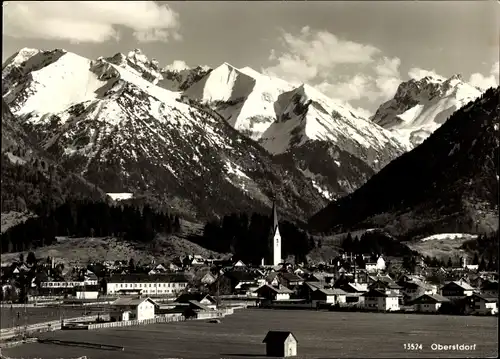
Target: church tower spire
276, 238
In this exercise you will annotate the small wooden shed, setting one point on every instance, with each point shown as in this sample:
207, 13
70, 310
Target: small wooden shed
280, 344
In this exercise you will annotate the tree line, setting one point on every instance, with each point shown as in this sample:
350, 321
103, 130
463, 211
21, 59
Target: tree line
249, 237
40, 186
376, 243
90, 219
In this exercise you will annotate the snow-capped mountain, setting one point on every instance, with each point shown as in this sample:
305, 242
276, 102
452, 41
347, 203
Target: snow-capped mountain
244, 97
422, 106
448, 184
336, 148
108, 121
168, 78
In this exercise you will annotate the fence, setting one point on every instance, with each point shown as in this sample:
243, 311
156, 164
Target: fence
166, 318
127, 323
42, 327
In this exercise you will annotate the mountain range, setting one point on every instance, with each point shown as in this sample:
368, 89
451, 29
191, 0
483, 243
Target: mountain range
206, 142
419, 107
448, 184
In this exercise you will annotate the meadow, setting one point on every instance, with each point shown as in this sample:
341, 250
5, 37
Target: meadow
35, 315
320, 335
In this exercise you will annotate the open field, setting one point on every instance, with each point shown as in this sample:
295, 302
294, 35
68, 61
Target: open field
320, 335
443, 247
37, 315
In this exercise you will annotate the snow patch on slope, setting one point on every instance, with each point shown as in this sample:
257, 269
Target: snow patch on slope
313, 177
15, 159
120, 196
442, 236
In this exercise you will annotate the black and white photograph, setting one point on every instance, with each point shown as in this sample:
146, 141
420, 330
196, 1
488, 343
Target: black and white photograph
250, 179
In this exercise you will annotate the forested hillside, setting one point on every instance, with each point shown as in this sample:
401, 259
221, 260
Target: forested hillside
89, 219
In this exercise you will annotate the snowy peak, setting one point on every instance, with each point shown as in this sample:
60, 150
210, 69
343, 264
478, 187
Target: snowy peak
243, 97
421, 106
139, 64
305, 114
224, 83
49, 82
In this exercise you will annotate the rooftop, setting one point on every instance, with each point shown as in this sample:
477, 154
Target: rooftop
278, 337
145, 278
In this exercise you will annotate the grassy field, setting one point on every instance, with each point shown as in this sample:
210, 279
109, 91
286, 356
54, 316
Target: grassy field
320, 335
36, 315
440, 248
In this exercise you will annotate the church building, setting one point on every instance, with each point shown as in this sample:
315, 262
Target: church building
274, 255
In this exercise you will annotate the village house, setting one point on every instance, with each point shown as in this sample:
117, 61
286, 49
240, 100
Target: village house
133, 308
240, 264
328, 296
157, 285
457, 289
173, 267
61, 284
428, 303
413, 289
377, 266
280, 344
205, 299
483, 304
272, 278
467, 266
378, 300
301, 271
385, 285
307, 288
196, 259
354, 291
322, 277
158, 269
207, 279
270, 293
86, 292
290, 280
235, 282
89, 278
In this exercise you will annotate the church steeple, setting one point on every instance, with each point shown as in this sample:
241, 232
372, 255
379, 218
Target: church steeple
275, 244
275, 218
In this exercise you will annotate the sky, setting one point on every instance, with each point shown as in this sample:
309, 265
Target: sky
355, 52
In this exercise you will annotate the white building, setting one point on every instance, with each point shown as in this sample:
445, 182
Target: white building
328, 296
152, 285
484, 304
87, 292
62, 284
457, 289
429, 303
275, 245
377, 300
377, 266
273, 293
133, 308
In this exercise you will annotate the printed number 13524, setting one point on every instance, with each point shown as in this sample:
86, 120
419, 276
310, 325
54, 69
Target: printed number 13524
412, 346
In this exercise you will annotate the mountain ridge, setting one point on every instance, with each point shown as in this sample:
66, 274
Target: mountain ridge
419, 107
448, 183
